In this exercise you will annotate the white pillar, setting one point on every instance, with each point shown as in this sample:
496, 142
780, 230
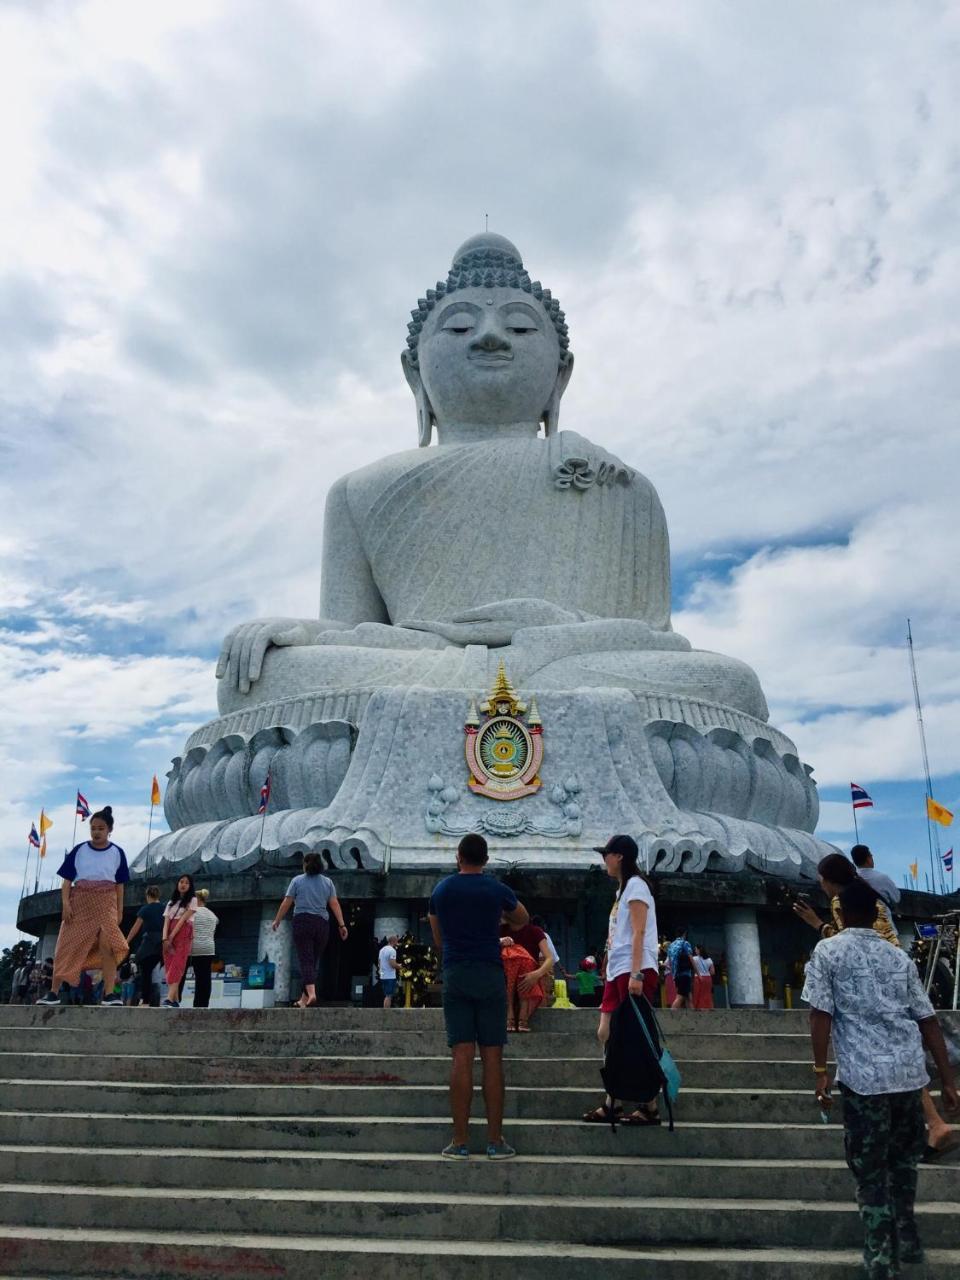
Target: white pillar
744, 974
391, 916
278, 948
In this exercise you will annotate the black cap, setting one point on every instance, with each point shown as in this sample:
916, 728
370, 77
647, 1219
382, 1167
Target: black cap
619, 844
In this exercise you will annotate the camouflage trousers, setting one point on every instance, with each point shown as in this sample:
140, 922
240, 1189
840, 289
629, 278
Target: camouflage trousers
884, 1137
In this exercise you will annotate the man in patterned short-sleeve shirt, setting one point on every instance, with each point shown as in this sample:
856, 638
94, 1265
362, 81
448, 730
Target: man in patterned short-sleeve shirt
869, 994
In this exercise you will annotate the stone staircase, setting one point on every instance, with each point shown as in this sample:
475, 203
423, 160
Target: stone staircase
288, 1145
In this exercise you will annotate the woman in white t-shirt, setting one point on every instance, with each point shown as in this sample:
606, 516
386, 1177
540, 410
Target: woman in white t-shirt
631, 953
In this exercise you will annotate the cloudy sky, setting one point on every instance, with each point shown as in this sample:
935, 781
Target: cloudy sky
216, 216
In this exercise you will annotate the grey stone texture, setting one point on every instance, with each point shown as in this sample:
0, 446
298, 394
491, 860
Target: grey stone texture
507, 540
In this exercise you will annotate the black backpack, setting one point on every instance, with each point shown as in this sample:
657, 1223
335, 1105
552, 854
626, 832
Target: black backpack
631, 1064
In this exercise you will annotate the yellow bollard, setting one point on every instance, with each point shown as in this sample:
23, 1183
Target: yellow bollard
560, 998
788, 997
408, 994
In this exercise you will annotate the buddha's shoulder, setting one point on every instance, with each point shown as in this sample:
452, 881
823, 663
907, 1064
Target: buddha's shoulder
568, 458
382, 471
580, 463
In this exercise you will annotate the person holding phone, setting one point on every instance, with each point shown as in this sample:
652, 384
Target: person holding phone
868, 996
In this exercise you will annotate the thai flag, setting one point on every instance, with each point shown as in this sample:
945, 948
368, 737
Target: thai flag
948, 860
859, 797
83, 808
33, 838
264, 796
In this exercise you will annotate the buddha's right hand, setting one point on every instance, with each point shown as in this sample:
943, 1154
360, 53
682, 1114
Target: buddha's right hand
243, 650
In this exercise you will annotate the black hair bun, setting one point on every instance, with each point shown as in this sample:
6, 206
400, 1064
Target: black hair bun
107, 811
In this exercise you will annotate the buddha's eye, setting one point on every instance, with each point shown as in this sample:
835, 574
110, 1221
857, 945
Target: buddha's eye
520, 321
459, 324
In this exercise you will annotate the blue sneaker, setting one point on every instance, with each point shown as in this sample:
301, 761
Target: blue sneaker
500, 1150
456, 1151
170, 1004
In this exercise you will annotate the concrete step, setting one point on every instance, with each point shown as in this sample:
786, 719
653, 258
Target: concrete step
91, 1253
529, 1102
332, 1069
112, 1037
618, 1219
416, 1134
312, 1171
309, 1142
347, 1018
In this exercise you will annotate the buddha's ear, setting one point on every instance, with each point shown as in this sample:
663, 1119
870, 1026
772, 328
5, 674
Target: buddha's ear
551, 414
425, 415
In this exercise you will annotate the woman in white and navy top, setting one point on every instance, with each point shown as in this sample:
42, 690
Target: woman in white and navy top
90, 937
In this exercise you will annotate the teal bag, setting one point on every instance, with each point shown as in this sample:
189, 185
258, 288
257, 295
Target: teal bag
672, 1079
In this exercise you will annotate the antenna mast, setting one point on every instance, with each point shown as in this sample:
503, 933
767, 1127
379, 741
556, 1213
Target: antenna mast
933, 837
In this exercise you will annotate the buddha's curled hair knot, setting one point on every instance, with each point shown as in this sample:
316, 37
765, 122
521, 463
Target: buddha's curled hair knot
488, 268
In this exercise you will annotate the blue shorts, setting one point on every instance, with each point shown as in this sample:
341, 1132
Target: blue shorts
475, 1004
389, 986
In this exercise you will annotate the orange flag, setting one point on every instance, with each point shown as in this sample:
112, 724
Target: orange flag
43, 846
45, 823
155, 791
935, 812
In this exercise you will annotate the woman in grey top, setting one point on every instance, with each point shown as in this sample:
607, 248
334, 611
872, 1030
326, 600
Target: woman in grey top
203, 950
313, 898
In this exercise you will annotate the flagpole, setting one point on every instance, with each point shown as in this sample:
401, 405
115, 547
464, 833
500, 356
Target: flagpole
26, 872
856, 828
933, 837
263, 822
36, 878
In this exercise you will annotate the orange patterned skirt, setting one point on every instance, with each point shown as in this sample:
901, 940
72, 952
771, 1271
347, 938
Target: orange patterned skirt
516, 962
176, 955
93, 923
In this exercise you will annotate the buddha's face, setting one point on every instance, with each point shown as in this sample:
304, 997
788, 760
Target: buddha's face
489, 356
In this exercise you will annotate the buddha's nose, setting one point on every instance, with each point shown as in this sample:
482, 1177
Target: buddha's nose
491, 337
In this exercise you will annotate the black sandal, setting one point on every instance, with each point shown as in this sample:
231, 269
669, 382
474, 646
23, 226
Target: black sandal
642, 1119
601, 1115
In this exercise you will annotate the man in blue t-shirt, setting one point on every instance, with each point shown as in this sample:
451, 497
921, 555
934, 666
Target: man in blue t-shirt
465, 914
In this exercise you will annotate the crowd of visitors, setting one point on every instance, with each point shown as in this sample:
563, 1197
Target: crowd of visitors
864, 994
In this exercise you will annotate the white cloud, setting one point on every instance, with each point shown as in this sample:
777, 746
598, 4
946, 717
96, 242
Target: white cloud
218, 217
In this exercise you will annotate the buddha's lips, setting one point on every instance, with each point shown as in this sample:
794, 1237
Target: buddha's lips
489, 357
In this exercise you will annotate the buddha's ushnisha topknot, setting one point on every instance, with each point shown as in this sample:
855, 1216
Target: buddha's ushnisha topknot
487, 261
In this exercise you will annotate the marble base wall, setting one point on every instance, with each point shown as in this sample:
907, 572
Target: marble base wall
708, 789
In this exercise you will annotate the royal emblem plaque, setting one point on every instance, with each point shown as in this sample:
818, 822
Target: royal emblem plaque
504, 743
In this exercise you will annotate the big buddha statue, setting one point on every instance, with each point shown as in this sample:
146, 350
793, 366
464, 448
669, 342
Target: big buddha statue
502, 547
532, 543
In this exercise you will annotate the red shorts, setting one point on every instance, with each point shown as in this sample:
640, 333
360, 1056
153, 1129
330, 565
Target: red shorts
615, 990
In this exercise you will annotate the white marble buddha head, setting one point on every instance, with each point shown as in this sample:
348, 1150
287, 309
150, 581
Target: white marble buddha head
488, 353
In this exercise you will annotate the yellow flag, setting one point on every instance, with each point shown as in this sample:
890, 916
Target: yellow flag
43, 846
913, 870
45, 823
155, 791
935, 812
